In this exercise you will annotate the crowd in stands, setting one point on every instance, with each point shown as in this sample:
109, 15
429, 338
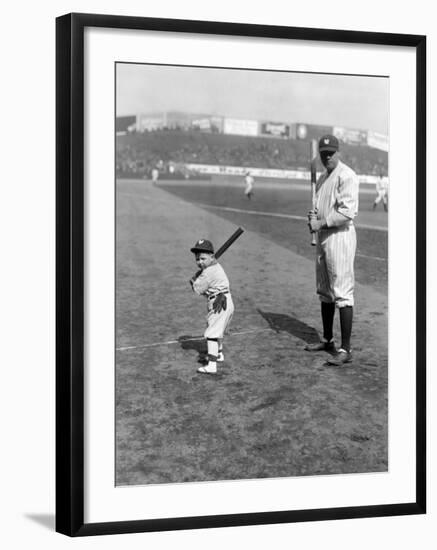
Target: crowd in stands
138, 153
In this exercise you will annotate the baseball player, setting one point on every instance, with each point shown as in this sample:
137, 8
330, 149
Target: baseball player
381, 192
249, 179
336, 207
211, 281
155, 175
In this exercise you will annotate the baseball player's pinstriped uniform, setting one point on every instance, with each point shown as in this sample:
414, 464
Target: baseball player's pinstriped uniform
332, 221
212, 281
337, 203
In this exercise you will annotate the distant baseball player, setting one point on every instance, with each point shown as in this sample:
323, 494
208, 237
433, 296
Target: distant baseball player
336, 207
212, 282
381, 192
249, 179
155, 175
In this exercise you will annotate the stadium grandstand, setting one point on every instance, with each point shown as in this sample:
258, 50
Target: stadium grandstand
185, 145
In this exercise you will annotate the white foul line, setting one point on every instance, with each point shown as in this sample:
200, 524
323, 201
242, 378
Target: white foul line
293, 217
278, 215
263, 213
155, 344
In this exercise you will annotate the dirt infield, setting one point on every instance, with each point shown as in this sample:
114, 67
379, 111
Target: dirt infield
273, 410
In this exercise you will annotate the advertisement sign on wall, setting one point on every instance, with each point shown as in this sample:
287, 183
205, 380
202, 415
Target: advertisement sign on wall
275, 129
241, 127
149, 123
377, 141
201, 124
311, 131
350, 136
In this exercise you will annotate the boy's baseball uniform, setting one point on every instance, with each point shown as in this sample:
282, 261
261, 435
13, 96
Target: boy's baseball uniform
211, 282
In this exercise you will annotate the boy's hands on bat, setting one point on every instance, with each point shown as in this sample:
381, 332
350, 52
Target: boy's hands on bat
219, 303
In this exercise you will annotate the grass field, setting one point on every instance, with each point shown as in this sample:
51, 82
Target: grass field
225, 198
273, 410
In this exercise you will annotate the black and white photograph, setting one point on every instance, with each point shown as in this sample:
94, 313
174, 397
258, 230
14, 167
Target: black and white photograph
251, 275
217, 240
231, 293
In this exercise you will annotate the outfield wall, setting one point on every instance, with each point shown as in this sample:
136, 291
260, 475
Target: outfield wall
213, 170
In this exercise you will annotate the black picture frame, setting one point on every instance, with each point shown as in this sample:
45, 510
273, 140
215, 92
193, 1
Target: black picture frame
70, 273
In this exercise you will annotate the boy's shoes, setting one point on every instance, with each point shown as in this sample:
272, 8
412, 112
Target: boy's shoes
340, 358
220, 357
208, 369
321, 346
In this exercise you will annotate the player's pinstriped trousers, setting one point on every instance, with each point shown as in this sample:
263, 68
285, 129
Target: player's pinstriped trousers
336, 248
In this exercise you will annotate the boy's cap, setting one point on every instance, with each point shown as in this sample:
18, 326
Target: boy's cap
203, 245
328, 143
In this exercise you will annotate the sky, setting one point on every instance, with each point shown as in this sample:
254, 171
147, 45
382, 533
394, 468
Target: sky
359, 102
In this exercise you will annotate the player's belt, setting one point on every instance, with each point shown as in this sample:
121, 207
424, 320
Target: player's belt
217, 293
338, 228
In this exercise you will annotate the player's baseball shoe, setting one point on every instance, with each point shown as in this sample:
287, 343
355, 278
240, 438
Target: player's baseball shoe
220, 357
208, 369
340, 358
321, 346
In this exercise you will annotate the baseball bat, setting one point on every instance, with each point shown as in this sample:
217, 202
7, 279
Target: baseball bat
313, 168
228, 243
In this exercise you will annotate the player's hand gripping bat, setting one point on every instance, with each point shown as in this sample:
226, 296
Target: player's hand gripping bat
313, 166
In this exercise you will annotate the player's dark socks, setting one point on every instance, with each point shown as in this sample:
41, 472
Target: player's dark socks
328, 312
346, 317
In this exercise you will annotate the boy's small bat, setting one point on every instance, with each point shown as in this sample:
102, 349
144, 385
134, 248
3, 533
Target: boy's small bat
228, 243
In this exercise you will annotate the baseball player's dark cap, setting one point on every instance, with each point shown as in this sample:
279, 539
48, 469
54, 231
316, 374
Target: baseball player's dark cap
328, 143
203, 245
